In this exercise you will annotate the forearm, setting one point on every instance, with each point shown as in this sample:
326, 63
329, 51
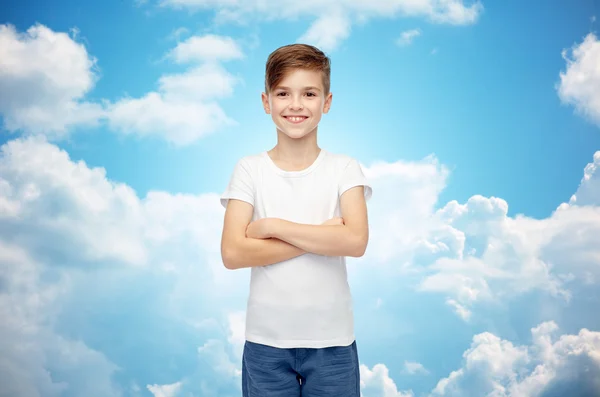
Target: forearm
251, 252
328, 240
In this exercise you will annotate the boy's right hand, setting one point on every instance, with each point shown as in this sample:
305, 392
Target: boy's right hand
334, 221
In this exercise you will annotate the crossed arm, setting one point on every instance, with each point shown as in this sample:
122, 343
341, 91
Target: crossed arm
272, 240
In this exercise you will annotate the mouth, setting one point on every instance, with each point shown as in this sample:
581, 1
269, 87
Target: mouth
295, 119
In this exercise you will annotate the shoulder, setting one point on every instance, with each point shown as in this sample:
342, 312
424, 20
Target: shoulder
250, 162
349, 173
251, 159
341, 161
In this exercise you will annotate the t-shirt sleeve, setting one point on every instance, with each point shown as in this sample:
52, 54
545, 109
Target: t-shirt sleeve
241, 186
352, 176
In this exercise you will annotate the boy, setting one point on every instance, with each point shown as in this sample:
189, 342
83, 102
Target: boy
293, 214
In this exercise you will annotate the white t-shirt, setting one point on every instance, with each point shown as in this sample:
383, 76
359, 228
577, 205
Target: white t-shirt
304, 301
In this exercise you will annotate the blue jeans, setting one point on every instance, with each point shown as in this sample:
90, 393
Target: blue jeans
273, 372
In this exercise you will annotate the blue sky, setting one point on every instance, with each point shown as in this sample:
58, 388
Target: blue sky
478, 123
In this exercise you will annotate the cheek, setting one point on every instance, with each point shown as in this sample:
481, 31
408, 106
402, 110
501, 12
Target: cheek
277, 105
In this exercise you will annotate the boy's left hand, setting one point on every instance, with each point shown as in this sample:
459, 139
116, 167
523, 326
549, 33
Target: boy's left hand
260, 229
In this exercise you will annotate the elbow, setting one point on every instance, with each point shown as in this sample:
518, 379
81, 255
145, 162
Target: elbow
358, 252
229, 259
359, 247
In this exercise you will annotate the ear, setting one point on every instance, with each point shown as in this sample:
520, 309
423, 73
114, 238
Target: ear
327, 104
265, 101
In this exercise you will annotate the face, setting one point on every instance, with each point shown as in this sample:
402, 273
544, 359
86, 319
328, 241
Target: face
297, 103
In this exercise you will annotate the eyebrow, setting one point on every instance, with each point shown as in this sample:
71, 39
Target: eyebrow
305, 88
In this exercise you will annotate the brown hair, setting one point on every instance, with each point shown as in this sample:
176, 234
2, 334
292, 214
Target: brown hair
296, 56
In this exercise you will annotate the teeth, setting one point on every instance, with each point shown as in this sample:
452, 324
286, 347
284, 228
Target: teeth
296, 119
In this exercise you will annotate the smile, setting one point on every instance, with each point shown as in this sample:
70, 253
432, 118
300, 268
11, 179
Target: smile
295, 119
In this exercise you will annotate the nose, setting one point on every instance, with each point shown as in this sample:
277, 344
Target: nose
296, 104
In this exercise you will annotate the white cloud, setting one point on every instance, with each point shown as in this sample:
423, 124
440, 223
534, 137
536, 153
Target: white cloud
34, 360
377, 383
588, 192
237, 332
164, 390
500, 258
202, 83
571, 246
215, 351
504, 257
185, 108
580, 82
406, 38
73, 239
209, 47
176, 34
490, 364
401, 213
58, 200
413, 368
459, 309
328, 31
495, 367
463, 279
44, 77
474, 254
441, 11
178, 122
218, 373
455, 12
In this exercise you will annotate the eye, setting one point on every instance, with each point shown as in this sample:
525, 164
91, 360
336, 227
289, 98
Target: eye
282, 94
311, 94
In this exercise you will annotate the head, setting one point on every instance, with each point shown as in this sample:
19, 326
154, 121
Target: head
297, 89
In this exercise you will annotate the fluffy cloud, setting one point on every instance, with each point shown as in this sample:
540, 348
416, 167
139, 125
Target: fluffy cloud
413, 368
49, 199
377, 383
216, 375
237, 336
474, 253
588, 192
206, 48
497, 258
580, 83
334, 19
79, 252
406, 38
44, 77
184, 107
327, 31
442, 11
569, 365
178, 122
165, 390
34, 360
401, 211
501, 257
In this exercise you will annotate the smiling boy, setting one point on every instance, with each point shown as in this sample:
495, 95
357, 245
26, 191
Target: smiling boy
293, 215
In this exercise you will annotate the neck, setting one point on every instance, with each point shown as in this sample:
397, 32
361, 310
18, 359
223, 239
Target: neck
296, 151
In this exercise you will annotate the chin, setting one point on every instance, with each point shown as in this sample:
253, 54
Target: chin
296, 134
